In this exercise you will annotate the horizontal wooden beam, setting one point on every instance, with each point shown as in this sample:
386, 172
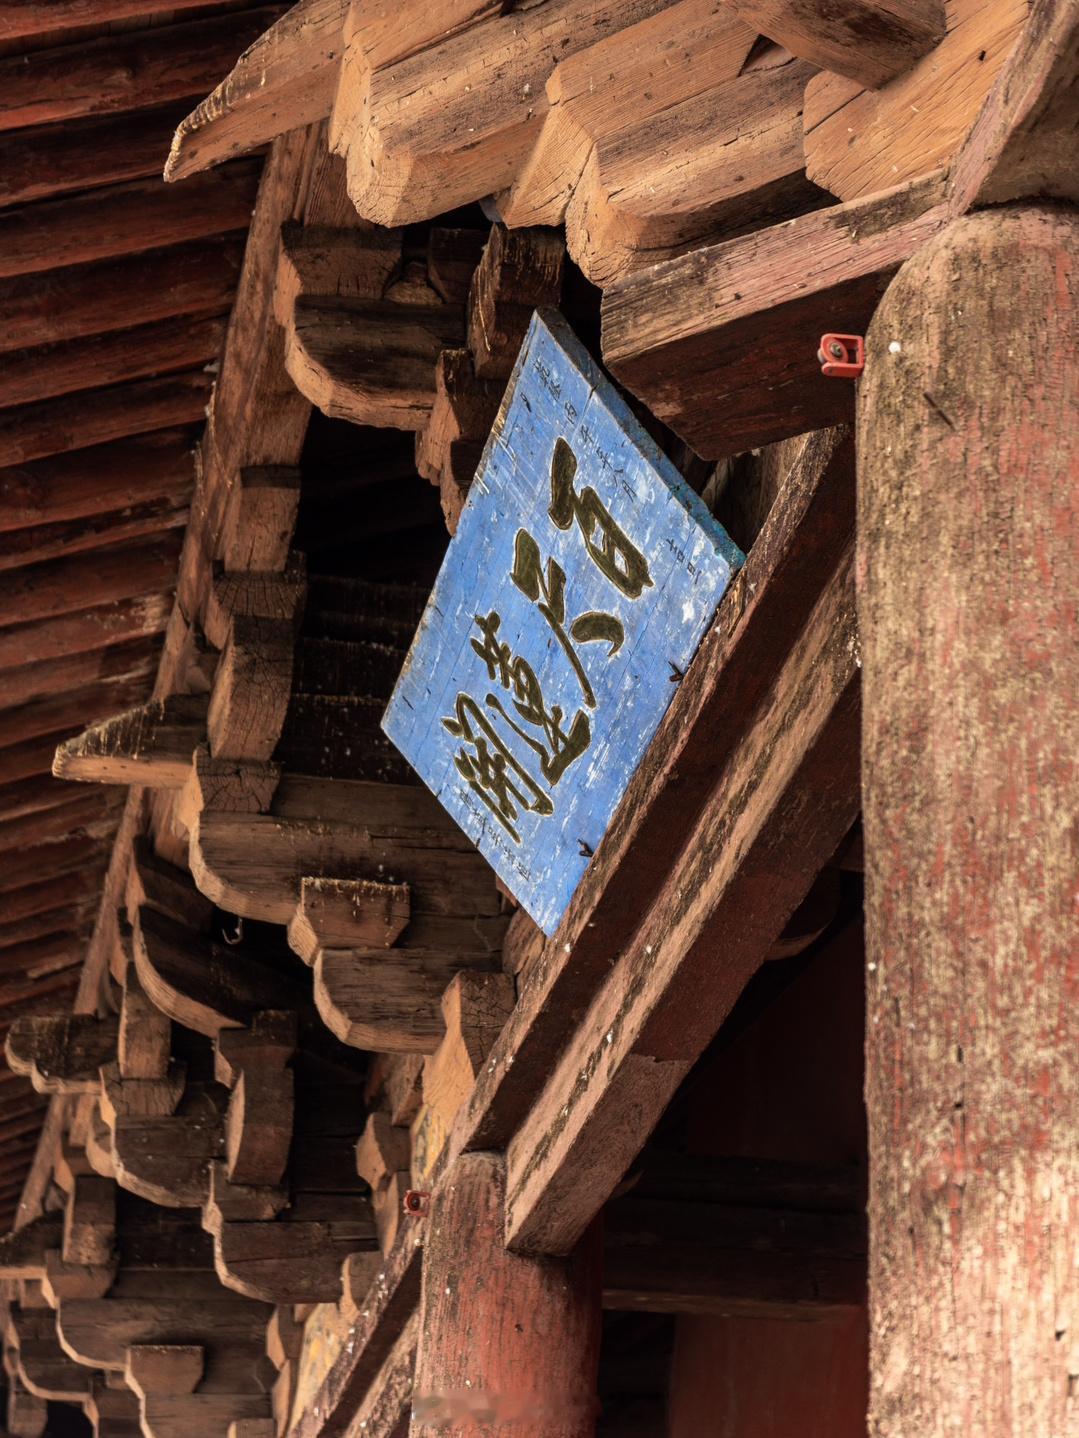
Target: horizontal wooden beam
194, 279
50, 541
47, 160
124, 70
870, 41
1022, 144
167, 347
150, 745
125, 220
722, 343
92, 417
64, 586
21, 19
286, 79
98, 479
786, 796
84, 632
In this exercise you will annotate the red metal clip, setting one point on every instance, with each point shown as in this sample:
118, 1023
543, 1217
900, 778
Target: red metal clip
417, 1203
842, 356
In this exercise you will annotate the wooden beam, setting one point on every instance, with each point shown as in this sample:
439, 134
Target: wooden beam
50, 541
723, 162
124, 70
125, 219
85, 632
61, 586
869, 41
676, 334
94, 815
97, 480
92, 417
971, 937
163, 348
348, 913
521, 1334
1019, 146
49, 861
45, 161
194, 279
860, 141
21, 19
61, 1055
46, 895
286, 79
150, 745
786, 796
422, 136
682, 50
64, 711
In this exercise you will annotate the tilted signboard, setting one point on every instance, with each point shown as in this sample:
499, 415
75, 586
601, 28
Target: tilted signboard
580, 581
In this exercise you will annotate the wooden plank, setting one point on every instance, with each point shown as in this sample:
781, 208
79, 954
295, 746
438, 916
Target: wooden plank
63, 712
60, 586
194, 279
252, 686
807, 531
864, 40
970, 919
519, 272
150, 745
783, 801
539, 1319
45, 161
285, 79
682, 50
151, 349
20, 19
348, 913
426, 134
1028, 127
723, 162
97, 480
123, 71
622, 540
261, 519
84, 633
676, 335
125, 219
92, 417
93, 815
859, 141
144, 521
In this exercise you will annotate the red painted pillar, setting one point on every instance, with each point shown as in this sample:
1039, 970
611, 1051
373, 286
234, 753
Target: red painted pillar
508, 1345
968, 555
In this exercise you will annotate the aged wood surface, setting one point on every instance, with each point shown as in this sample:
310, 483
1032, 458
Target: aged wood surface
452, 123
679, 336
970, 709
149, 745
782, 802
1023, 143
20, 19
864, 40
502, 1335
858, 141
682, 50
285, 80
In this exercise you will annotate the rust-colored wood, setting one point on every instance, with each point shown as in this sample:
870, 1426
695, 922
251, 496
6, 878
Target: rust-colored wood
21, 19
123, 71
57, 426
968, 526
125, 219
135, 659
85, 632
514, 1337
195, 279
60, 586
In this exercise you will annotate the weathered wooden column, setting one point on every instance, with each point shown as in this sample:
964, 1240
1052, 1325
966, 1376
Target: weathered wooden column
968, 418
509, 1345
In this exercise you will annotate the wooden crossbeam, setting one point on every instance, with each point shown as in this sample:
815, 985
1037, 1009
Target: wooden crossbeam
193, 279
864, 40
92, 417
45, 160
786, 796
183, 343
722, 342
287, 78
150, 745
125, 219
123, 71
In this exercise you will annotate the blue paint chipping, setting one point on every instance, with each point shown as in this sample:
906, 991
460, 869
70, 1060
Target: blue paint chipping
582, 577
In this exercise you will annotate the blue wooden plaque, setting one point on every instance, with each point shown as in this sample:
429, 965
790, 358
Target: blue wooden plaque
582, 577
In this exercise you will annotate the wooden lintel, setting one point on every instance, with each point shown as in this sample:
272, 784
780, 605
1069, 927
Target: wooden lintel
722, 342
151, 745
